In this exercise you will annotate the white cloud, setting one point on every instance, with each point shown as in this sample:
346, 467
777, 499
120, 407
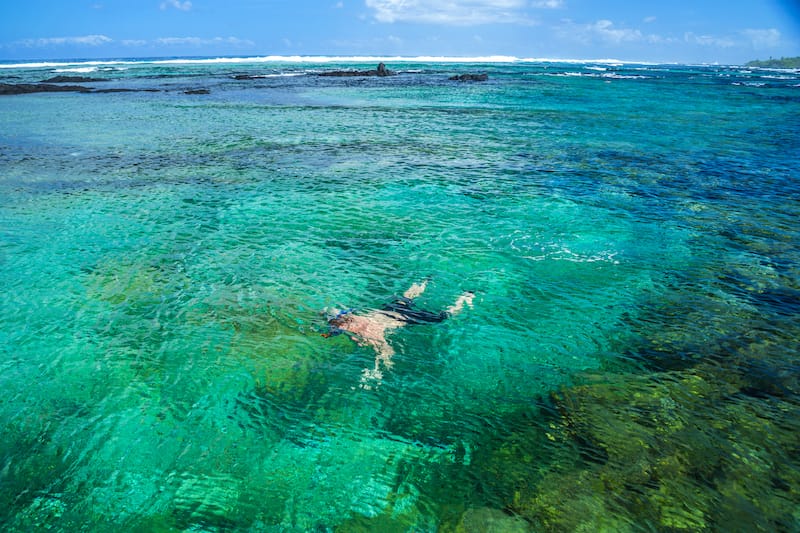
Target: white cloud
177, 4
99, 40
709, 40
750, 38
188, 41
649, 20
605, 32
548, 4
452, 12
201, 41
761, 39
86, 40
369, 45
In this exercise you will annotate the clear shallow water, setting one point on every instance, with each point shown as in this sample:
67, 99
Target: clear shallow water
630, 362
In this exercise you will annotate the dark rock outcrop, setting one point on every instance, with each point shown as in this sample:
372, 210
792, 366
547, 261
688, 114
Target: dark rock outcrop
8, 89
470, 77
197, 91
73, 79
381, 71
247, 77
28, 88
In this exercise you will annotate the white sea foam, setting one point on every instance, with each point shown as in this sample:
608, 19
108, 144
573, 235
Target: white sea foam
279, 75
782, 70
64, 64
342, 59
623, 76
565, 254
81, 70
315, 60
604, 75
557, 251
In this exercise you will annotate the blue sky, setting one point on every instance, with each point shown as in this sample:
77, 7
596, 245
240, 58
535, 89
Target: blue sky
667, 31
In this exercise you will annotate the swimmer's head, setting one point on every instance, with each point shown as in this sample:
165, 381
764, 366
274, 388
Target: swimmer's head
337, 324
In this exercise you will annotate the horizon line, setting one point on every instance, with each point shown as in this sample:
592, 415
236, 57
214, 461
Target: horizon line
321, 59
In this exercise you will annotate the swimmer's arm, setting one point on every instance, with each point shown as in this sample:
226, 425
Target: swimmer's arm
416, 289
385, 351
382, 348
458, 305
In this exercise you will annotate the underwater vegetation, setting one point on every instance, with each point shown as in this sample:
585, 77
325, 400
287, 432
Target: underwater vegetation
691, 437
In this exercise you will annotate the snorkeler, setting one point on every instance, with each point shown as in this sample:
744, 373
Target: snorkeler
372, 327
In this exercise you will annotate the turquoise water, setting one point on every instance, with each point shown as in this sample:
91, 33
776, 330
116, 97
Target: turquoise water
629, 364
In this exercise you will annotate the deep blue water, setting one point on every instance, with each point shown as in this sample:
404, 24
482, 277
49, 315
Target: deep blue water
167, 259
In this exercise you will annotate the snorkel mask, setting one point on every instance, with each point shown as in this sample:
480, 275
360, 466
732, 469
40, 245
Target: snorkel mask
335, 322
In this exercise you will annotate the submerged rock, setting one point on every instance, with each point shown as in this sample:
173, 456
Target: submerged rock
683, 451
490, 521
469, 77
8, 89
29, 88
197, 91
123, 90
380, 71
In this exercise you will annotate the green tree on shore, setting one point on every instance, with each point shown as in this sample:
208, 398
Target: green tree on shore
784, 62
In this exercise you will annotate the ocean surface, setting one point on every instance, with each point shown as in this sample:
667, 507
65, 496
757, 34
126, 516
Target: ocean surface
169, 260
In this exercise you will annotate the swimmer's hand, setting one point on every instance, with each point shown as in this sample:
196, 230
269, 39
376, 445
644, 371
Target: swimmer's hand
466, 298
469, 296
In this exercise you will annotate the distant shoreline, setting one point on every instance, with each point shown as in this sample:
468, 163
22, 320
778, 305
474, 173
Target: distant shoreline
783, 63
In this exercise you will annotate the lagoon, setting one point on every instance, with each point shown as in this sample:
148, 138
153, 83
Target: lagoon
630, 362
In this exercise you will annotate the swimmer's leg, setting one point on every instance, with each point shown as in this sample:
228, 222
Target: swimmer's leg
458, 305
416, 289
